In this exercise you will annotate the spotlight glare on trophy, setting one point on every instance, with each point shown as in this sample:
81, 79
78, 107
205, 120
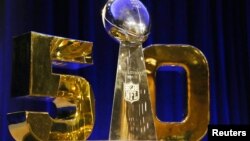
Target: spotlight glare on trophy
128, 22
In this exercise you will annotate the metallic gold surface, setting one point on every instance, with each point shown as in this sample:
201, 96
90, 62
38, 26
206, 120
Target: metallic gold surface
68, 50
33, 76
194, 126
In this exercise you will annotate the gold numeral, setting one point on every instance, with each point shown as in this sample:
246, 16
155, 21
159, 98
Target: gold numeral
34, 54
194, 126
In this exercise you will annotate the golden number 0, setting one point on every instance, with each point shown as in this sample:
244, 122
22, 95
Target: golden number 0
194, 126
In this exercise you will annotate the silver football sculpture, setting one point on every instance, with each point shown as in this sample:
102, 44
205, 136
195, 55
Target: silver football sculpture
126, 20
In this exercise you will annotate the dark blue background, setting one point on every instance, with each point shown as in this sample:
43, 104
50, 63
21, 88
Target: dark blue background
219, 28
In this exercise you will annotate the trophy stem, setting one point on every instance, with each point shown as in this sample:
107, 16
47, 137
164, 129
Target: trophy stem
131, 114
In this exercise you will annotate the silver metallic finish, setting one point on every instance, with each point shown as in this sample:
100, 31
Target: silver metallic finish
128, 22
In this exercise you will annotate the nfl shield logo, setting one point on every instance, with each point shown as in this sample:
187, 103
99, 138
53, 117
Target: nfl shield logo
131, 92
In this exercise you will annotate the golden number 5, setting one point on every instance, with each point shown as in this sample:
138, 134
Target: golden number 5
34, 54
194, 126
